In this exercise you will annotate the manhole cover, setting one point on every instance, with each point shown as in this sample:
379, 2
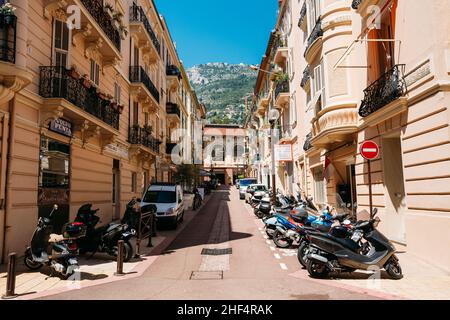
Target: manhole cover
206, 275
216, 252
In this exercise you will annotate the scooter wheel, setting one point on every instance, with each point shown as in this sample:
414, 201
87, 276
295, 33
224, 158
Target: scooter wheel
30, 264
259, 214
317, 269
281, 241
128, 252
301, 254
394, 270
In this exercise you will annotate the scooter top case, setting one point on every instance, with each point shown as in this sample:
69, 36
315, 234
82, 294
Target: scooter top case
345, 250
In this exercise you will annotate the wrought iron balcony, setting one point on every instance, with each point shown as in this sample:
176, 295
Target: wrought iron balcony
137, 14
8, 38
104, 20
388, 88
173, 108
172, 70
281, 87
141, 136
356, 3
302, 14
316, 33
56, 82
138, 74
306, 76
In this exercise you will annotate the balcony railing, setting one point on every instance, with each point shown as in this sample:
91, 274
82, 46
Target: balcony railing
302, 14
138, 74
173, 108
316, 33
56, 82
104, 20
306, 76
141, 136
172, 70
356, 3
389, 87
8, 38
281, 87
137, 14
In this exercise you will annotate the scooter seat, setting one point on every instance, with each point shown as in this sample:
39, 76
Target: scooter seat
299, 219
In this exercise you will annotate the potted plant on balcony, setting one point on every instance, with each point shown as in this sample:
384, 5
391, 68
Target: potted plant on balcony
7, 13
109, 10
148, 128
86, 82
281, 77
117, 19
135, 126
74, 73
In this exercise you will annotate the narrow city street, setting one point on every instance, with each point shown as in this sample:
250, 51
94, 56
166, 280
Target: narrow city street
253, 270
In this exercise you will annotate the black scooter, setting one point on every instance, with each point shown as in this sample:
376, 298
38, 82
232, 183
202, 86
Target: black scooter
105, 238
62, 258
327, 253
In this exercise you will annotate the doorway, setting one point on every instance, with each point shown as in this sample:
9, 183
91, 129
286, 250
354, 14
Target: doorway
394, 185
54, 181
116, 189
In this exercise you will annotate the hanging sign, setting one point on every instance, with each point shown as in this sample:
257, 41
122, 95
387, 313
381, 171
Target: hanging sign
283, 152
61, 126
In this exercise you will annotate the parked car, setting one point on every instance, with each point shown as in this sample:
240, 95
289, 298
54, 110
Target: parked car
251, 190
244, 184
168, 199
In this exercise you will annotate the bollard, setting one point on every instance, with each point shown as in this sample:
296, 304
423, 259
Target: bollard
11, 280
119, 271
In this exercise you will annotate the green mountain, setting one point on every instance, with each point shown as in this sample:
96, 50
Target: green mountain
222, 87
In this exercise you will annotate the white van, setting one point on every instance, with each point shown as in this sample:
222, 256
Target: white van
168, 199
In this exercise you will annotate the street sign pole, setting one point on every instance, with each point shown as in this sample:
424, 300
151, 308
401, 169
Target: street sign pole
370, 187
369, 150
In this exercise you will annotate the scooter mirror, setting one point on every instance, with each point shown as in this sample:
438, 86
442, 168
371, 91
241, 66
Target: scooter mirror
55, 207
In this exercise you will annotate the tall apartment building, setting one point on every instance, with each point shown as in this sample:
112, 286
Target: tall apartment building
370, 70
90, 91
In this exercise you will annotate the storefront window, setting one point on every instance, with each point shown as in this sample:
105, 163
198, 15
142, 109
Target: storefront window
54, 167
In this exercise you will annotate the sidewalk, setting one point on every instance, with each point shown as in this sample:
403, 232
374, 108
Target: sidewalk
93, 271
421, 280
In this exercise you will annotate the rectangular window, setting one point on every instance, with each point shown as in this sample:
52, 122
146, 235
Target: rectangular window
145, 181
317, 80
61, 43
133, 182
135, 112
319, 192
117, 92
95, 72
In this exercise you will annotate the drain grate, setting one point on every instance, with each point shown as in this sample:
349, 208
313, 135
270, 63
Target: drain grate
206, 275
216, 252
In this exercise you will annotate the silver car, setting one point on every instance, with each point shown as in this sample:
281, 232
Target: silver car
243, 185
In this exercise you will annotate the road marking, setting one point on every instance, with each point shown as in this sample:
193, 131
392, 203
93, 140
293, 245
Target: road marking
265, 237
277, 256
272, 248
259, 229
283, 266
268, 242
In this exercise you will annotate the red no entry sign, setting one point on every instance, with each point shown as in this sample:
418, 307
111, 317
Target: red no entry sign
369, 150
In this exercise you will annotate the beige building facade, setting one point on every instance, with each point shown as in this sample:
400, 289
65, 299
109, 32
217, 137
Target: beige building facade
85, 103
367, 70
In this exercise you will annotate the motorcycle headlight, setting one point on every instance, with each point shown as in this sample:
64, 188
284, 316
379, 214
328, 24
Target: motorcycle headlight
133, 232
170, 211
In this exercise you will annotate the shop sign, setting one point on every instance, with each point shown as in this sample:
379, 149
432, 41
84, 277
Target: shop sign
118, 151
49, 196
283, 152
61, 126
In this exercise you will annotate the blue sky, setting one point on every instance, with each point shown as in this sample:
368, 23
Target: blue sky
232, 31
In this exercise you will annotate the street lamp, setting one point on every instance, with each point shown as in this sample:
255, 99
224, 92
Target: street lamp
273, 116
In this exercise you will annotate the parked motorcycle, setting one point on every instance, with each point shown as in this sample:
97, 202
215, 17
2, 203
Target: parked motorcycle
328, 253
105, 238
62, 259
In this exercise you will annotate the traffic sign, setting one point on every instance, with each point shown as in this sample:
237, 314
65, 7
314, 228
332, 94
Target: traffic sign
369, 150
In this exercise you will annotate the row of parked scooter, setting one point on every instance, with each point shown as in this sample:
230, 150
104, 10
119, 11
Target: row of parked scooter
328, 242
80, 237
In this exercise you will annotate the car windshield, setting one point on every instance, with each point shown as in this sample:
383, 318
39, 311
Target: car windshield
260, 188
160, 197
246, 182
